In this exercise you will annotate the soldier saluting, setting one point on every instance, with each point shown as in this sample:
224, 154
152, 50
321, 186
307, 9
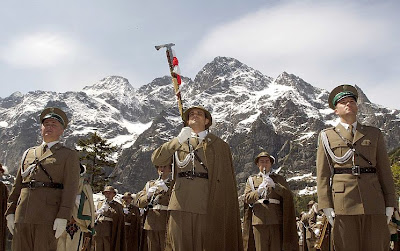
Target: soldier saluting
354, 181
204, 209
43, 194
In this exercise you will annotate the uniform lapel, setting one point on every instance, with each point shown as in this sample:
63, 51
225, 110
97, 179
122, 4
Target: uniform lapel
49, 151
360, 132
345, 133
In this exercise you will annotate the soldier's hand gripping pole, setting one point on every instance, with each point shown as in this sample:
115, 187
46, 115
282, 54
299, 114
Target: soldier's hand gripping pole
175, 76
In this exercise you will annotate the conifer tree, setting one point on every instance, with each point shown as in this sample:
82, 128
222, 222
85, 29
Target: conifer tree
96, 154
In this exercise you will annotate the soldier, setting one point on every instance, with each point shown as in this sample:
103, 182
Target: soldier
155, 198
132, 223
80, 228
43, 194
354, 181
109, 225
204, 209
273, 220
3, 207
309, 220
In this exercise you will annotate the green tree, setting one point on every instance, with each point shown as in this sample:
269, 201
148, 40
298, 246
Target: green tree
96, 155
394, 158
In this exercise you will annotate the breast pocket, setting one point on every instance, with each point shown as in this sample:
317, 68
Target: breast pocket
339, 148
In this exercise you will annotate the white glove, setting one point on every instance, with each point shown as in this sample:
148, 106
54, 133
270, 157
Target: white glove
270, 182
78, 200
161, 184
389, 213
262, 188
330, 214
126, 210
184, 135
316, 232
60, 226
151, 191
11, 223
103, 208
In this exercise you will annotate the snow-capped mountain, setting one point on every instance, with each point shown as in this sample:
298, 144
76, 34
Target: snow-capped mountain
251, 111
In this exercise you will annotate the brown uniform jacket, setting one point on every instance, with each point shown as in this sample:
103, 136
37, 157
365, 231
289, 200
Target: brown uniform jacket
28, 205
309, 219
155, 219
115, 230
223, 220
132, 227
3, 207
272, 214
368, 193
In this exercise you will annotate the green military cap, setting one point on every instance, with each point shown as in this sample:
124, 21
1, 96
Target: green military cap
207, 114
340, 92
264, 154
54, 113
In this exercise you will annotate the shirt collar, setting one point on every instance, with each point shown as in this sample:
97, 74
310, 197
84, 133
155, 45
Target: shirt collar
201, 134
346, 126
50, 144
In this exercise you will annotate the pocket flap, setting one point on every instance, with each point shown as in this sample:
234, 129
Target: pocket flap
338, 187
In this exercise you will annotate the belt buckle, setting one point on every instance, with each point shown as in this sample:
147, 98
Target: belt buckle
355, 170
31, 184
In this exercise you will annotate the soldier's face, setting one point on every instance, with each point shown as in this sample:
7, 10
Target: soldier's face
264, 163
346, 106
164, 170
127, 200
109, 195
197, 118
51, 130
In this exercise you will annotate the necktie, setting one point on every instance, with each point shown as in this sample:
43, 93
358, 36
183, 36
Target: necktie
45, 147
351, 131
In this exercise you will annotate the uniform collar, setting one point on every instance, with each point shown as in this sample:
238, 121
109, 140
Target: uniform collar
346, 126
50, 144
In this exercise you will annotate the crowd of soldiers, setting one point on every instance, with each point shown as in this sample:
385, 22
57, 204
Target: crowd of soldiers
193, 204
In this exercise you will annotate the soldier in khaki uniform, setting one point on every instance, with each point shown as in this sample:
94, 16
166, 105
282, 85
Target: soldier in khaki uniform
109, 225
309, 220
155, 198
132, 223
354, 181
204, 209
273, 220
43, 194
3, 207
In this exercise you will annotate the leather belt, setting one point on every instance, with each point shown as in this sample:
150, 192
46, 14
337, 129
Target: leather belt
159, 207
268, 201
191, 175
355, 170
36, 184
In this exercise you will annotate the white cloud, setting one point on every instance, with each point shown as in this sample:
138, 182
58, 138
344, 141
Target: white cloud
325, 43
39, 50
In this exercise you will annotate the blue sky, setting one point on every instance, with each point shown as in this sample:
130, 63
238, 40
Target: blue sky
66, 45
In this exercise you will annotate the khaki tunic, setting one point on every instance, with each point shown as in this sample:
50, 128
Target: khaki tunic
109, 228
309, 219
28, 205
213, 201
3, 222
132, 227
156, 219
353, 196
272, 222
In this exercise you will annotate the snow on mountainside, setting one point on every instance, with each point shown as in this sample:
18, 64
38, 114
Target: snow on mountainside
251, 111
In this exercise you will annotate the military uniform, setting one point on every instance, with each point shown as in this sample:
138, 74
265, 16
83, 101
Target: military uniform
269, 214
197, 200
3, 207
132, 227
155, 223
28, 203
109, 228
309, 220
362, 185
